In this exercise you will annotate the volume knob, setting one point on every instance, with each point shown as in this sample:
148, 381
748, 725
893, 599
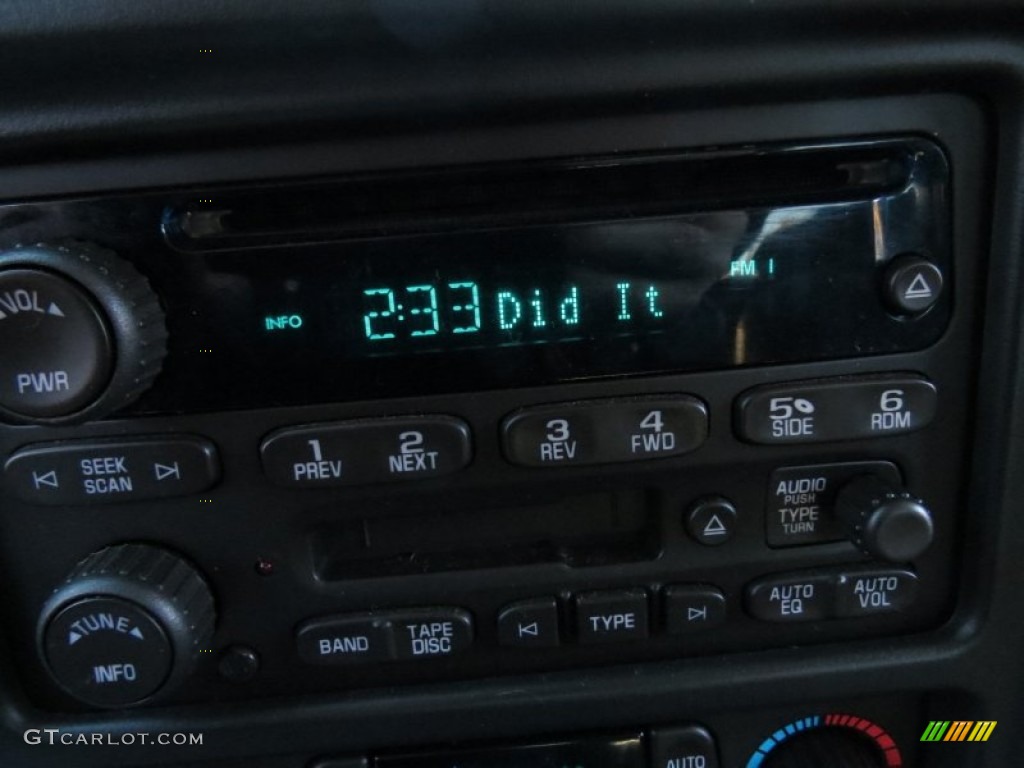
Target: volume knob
884, 521
128, 623
82, 333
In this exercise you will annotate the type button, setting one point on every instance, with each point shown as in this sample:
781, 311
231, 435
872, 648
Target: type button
613, 616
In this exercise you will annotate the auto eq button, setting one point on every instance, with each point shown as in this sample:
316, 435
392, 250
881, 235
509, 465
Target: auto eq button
836, 409
110, 471
790, 597
366, 451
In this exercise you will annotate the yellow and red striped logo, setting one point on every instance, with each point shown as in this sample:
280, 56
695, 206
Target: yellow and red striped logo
959, 730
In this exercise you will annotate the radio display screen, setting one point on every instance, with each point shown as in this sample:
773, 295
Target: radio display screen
629, 285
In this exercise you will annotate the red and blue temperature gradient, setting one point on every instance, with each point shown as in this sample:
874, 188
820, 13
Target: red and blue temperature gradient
873, 731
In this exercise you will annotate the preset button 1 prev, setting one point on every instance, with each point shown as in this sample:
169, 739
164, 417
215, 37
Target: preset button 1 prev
366, 451
109, 471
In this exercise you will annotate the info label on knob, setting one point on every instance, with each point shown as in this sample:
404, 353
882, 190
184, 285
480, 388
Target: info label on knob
107, 651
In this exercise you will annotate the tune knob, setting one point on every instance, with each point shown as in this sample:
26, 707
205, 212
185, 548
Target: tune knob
884, 521
81, 331
127, 623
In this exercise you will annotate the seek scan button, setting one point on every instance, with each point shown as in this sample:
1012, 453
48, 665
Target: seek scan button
78, 472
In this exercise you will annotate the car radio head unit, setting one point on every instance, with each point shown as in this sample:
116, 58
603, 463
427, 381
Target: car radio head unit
357, 431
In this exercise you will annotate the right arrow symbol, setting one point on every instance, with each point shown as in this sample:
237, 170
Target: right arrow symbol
163, 471
697, 614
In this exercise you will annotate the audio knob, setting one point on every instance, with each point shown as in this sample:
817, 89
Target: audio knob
127, 624
83, 334
884, 521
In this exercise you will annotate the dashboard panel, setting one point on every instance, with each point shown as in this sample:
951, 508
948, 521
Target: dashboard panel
654, 408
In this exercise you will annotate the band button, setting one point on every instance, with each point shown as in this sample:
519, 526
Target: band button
344, 640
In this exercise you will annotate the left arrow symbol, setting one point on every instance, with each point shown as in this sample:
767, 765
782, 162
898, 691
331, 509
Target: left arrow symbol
48, 478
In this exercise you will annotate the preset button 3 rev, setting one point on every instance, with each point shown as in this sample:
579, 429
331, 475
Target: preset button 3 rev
605, 431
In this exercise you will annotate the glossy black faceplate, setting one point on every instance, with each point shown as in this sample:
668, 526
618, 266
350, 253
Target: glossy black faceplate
537, 273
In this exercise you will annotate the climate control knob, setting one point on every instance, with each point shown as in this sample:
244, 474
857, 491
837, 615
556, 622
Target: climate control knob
81, 331
128, 623
885, 521
832, 747
835, 740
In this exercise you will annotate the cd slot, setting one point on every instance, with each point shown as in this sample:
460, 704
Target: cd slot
532, 194
584, 531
